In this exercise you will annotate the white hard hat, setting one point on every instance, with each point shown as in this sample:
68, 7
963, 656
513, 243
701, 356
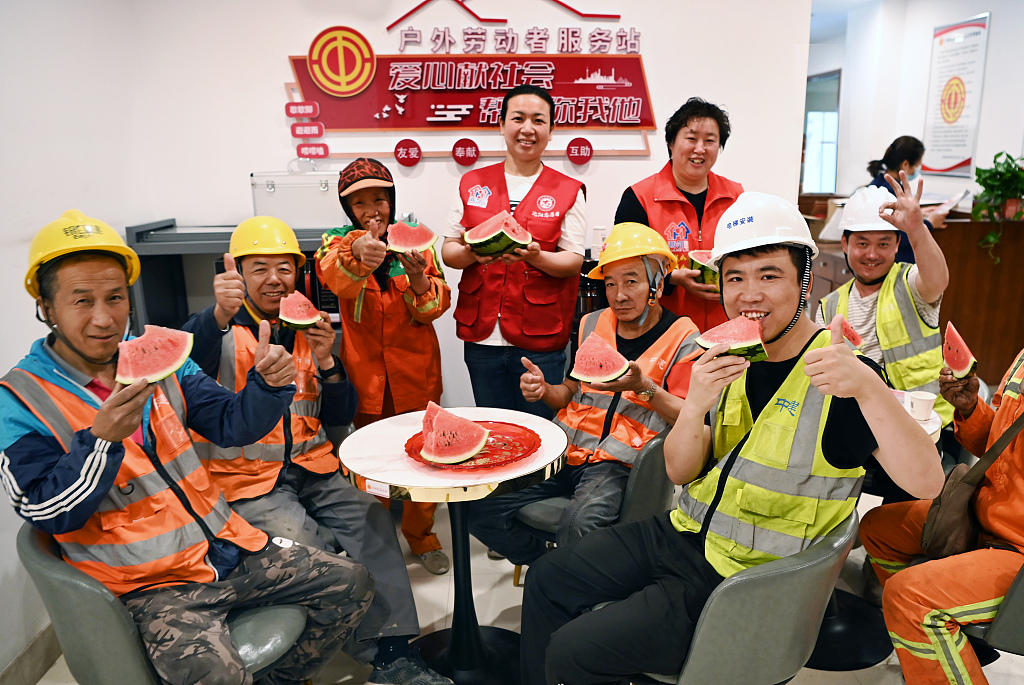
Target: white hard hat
757, 219
861, 211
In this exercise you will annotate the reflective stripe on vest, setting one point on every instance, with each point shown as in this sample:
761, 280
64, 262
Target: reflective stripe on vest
1011, 389
911, 349
780, 495
142, 534
635, 421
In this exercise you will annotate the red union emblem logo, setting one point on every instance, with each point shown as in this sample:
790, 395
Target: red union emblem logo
341, 61
545, 203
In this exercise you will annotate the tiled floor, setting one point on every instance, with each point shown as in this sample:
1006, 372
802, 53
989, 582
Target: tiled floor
499, 603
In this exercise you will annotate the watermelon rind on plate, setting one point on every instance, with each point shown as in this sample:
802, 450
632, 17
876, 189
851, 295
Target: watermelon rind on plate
598, 362
956, 354
450, 439
742, 335
154, 355
298, 312
498, 235
700, 260
403, 237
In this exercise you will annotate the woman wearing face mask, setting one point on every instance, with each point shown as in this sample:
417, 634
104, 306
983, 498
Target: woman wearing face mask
389, 302
904, 154
522, 304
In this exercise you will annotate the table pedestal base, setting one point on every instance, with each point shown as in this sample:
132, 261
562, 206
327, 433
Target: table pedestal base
499, 667
853, 635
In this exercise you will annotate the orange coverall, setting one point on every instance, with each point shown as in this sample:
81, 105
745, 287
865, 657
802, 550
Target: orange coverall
389, 349
926, 604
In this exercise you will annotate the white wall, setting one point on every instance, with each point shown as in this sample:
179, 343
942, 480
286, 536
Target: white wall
885, 79
134, 112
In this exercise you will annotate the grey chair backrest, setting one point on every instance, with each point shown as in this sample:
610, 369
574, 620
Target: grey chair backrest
760, 625
98, 636
1006, 632
648, 490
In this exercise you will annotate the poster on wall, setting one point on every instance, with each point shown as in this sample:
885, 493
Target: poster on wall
954, 96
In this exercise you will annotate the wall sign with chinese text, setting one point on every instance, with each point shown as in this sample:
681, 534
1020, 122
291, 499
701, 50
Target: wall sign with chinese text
579, 151
408, 152
465, 152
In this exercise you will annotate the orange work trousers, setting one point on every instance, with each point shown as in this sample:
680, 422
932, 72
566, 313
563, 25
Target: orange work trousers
417, 517
925, 604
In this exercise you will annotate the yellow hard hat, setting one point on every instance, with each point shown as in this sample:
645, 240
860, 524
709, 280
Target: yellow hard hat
75, 232
631, 239
265, 235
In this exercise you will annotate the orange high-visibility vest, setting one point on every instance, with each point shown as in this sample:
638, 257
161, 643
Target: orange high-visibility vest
143, 533
251, 471
634, 422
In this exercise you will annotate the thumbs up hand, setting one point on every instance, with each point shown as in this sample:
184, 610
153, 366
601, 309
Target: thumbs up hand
273, 362
532, 382
229, 289
835, 370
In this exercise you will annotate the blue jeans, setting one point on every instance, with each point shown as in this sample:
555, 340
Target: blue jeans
494, 372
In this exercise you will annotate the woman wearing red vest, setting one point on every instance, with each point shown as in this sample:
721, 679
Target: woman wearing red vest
684, 201
518, 305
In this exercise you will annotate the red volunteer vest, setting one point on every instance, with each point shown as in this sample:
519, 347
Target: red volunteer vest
672, 215
536, 309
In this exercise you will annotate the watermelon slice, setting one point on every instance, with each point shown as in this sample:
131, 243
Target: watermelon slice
598, 362
155, 355
742, 335
298, 312
450, 439
403, 237
850, 334
498, 235
701, 261
955, 353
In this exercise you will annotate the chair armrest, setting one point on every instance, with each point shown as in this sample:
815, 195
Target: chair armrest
1007, 630
649, 489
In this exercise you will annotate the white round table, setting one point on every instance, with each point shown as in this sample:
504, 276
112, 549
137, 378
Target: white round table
374, 459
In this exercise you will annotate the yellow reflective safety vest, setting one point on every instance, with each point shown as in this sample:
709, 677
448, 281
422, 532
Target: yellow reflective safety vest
911, 349
780, 495
592, 435
251, 471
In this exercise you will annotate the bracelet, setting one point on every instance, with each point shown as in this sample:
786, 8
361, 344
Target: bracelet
334, 370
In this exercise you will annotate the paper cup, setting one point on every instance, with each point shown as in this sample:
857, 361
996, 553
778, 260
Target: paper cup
921, 403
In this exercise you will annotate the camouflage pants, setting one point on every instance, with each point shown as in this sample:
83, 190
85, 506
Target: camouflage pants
185, 627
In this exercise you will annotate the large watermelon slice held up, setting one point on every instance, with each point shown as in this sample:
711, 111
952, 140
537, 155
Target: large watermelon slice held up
598, 362
742, 335
154, 355
298, 312
956, 354
450, 439
498, 235
403, 237
700, 260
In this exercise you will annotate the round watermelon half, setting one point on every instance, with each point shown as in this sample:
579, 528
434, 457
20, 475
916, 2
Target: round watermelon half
956, 353
298, 312
598, 362
498, 235
155, 355
403, 237
700, 260
452, 439
742, 335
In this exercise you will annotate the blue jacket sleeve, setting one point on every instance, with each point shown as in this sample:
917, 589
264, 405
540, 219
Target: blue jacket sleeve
229, 419
56, 491
206, 341
339, 401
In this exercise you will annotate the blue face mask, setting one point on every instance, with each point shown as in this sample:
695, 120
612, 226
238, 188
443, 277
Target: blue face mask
915, 176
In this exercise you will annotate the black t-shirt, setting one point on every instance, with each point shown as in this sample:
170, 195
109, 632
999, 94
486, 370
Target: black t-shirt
633, 348
848, 441
630, 208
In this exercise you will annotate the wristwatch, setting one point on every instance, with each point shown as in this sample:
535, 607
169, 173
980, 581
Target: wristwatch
648, 394
334, 370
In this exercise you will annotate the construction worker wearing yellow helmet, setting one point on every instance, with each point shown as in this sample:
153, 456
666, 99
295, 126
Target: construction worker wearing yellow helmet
288, 483
133, 507
608, 423
769, 452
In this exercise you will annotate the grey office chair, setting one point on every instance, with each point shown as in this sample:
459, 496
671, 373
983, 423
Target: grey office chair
648, 493
760, 625
98, 636
1006, 631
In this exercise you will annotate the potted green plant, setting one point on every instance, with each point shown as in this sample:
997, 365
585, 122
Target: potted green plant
1001, 197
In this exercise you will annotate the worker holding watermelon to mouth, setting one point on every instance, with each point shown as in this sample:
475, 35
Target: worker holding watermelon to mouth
389, 301
289, 483
608, 423
790, 436
893, 306
110, 472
